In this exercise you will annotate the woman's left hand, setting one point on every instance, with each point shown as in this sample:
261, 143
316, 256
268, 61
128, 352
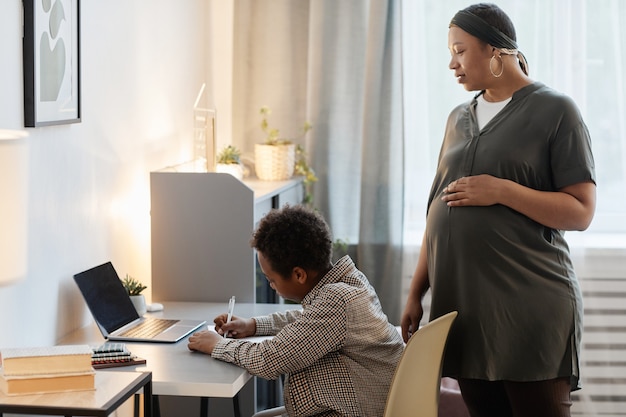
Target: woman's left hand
478, 190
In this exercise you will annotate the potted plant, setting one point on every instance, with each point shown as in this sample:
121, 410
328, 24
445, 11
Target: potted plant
303, 168
275, 158
134, 288
229, 161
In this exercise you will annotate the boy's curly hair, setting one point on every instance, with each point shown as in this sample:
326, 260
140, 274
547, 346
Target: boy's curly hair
294, 236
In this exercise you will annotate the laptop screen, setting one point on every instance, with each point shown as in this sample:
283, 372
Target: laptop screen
106, 297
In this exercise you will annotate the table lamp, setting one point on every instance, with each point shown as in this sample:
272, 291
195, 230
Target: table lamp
13, 205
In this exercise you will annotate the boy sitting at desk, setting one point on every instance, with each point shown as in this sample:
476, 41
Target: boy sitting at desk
339, 351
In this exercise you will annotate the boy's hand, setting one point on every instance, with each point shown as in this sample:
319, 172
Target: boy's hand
204, 341
237, 327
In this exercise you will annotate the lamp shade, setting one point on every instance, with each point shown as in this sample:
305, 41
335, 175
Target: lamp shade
13, 206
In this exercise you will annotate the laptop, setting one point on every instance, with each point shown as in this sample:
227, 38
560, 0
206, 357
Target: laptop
116, 316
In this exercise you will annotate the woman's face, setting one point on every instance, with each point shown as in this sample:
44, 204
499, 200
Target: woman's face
469, 59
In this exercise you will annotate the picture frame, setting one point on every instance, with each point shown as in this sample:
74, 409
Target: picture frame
51, 54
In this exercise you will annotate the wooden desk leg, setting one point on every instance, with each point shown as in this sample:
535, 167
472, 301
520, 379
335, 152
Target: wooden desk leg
204, 407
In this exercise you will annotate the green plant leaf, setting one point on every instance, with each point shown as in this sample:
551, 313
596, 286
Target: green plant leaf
132, 286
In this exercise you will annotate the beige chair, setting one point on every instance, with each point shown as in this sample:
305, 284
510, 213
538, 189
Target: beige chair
415, 386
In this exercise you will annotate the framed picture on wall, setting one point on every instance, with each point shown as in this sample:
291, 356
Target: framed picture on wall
51, 62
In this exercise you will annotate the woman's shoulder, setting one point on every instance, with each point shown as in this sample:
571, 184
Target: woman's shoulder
463, 107
460, 112
543, 94
539, 98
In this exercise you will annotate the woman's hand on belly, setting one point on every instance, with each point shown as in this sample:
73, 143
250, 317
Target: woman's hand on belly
477, 190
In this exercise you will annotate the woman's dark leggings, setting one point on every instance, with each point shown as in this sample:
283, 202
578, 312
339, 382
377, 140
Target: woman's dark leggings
550, 398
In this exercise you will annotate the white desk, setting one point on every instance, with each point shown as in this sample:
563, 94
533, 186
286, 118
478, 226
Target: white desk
176, 370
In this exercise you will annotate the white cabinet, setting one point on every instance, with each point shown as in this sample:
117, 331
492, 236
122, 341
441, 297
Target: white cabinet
201, 225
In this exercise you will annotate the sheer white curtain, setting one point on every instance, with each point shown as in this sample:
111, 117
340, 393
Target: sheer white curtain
576, 47
336, 64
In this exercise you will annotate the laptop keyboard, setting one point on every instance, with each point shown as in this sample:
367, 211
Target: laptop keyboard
149, 328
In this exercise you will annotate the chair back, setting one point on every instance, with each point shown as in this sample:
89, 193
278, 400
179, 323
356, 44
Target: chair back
415, 386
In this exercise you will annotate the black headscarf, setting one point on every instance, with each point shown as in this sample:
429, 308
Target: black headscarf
478, 27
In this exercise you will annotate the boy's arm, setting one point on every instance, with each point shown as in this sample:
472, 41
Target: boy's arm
318, 330
271, 324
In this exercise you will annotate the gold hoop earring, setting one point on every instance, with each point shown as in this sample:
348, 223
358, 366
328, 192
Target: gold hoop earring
501, 64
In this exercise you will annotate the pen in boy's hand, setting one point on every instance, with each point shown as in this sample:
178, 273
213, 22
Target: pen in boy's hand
231, 307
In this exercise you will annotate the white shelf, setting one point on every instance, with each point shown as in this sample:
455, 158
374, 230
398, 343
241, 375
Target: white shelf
201, 227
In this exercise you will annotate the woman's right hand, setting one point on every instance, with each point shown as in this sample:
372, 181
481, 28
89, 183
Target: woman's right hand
411, 317
238, 327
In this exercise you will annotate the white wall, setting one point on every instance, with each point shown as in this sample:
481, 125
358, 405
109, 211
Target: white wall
142, 65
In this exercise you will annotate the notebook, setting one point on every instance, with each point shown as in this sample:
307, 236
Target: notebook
116, 316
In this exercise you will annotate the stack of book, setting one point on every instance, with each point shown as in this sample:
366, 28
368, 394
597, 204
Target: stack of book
46, 369
112, 354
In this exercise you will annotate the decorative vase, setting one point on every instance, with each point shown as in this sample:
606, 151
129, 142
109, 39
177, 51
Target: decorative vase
236, 170
274, 162
139, 301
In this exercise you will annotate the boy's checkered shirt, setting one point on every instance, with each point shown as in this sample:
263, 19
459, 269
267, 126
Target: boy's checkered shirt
339, 352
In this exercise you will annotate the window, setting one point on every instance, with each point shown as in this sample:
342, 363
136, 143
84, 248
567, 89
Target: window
573, 46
